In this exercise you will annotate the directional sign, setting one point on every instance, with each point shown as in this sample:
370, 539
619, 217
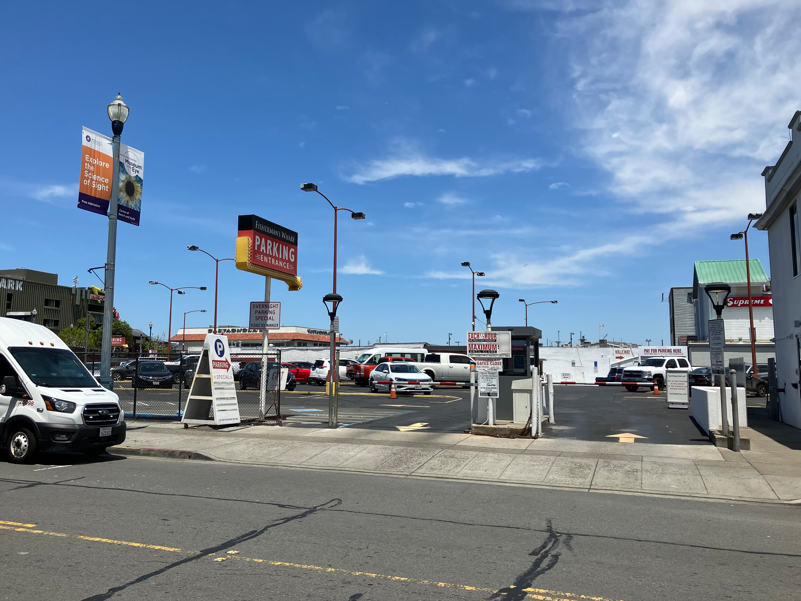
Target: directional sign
626, 437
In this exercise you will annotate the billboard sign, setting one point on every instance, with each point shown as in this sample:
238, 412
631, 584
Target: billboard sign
94, 191
265, 316
129, 193
268, 249
118, 341
490, 345
756, 301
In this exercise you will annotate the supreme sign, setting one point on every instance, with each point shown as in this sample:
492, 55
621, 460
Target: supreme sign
756, 301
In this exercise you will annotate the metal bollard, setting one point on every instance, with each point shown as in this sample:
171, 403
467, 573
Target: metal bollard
724, 417
549, 382
735, 412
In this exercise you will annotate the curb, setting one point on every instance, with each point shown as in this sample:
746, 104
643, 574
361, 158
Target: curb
166, 453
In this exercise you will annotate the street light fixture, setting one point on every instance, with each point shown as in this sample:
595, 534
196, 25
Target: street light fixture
718, 289
183, 341
216, 277
490, 295
331, 302
118, 114
522, 300
740, 236
473, 295
179, 291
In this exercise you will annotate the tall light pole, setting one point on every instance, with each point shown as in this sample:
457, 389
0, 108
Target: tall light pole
183, 342
331, 302
354, 215
473, 295
216, 278
739, 236
118, 115
490, 295
179, 291
150, 337
522, 300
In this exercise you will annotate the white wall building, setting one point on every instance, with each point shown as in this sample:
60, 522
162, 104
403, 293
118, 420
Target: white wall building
782, 192
735, 315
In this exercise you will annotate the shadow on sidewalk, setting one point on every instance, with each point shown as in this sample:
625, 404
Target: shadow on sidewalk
783, 434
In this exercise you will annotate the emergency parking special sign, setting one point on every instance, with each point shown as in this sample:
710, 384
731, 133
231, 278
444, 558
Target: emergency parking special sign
493, 345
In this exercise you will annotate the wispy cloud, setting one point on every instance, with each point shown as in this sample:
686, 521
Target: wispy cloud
359, 266
492, 72
410, 205
328, 29
425, 39
198, 169
557, 185
469, 82
408, 161
342, 107
524, 113
451, 199
47, 193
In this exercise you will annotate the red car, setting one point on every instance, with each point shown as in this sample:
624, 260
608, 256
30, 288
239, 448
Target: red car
301, 373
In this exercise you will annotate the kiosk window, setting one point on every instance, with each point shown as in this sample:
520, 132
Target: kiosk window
517, 365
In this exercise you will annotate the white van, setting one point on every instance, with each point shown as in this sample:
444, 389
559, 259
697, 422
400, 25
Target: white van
48, 400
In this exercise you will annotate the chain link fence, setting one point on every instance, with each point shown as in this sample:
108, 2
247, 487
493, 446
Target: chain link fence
157, 387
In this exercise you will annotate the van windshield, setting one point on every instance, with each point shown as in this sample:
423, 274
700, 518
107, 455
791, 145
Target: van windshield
53, 367
362, 358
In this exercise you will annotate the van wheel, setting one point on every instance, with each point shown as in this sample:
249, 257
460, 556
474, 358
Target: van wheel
21, 445
632, 388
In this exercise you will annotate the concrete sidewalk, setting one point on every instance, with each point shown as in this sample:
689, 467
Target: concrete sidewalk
770, 472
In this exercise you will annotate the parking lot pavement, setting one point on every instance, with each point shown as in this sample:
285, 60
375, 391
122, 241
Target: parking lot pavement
598, 413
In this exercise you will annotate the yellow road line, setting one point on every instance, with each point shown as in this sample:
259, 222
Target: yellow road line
532, 593
18, 524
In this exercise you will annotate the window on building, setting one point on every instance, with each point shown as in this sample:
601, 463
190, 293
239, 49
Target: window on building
52, 302
50, 323
8, 301
690, 298
794, 237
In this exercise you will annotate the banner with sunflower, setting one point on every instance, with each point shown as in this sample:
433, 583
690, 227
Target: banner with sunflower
129, 197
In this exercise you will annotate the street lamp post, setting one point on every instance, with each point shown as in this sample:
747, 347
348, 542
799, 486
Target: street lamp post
718, 289
522, 300
739, 236
150, 337
216, 278
183, 341
492, 296
473, 295
331, 302
118, 114
179, 290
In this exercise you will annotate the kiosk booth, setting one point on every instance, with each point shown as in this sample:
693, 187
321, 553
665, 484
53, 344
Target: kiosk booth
525, 353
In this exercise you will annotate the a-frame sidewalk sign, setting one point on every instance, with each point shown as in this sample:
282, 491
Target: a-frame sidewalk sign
212, 397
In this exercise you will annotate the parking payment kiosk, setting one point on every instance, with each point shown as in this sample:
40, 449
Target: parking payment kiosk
525, 345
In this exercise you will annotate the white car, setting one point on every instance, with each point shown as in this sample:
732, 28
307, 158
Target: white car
319, 373
406, 376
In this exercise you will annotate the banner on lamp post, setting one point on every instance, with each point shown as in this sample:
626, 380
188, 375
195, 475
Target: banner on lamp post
94, 190
129, 194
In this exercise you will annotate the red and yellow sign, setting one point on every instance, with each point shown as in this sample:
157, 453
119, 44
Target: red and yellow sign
267, 249
94, 190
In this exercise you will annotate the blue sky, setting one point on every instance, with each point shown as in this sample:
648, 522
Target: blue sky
584, 151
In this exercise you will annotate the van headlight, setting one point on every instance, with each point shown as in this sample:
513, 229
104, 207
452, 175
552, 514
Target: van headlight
58, 405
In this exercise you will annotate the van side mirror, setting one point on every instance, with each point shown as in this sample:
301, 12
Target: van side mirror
9, 386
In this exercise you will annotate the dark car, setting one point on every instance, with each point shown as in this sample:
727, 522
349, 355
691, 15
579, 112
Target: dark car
153, 374
124, 371
701, 376
615, 375
250, 376
179, 369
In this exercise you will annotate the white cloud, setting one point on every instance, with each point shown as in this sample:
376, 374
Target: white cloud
524, 113
197, 169
469, 82
426, 38
684, 102
451, 199
410, 205
408, 161
45, 193
301, 144
342, 107
359, 266
557, 185
328, 29
492, 72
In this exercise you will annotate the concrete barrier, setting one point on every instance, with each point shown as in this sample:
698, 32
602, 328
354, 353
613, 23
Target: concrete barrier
705, 405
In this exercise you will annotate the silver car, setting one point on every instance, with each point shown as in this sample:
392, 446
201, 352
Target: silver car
406, 376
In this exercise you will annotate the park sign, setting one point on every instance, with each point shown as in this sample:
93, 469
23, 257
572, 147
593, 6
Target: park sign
265, 248
489, 345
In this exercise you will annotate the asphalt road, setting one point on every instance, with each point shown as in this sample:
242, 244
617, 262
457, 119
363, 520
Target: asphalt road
136, 528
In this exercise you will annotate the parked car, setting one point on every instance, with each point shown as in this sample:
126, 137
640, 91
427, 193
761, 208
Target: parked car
304, 364
652, 370
124, 371
301, 374
179, 368
406, 376
250, 376
446, 367
615, 375
319, 374
701, 376
755, 386
359, 371
153, 374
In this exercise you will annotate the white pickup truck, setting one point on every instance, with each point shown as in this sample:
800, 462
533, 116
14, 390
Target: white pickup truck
652, 371
446, 367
